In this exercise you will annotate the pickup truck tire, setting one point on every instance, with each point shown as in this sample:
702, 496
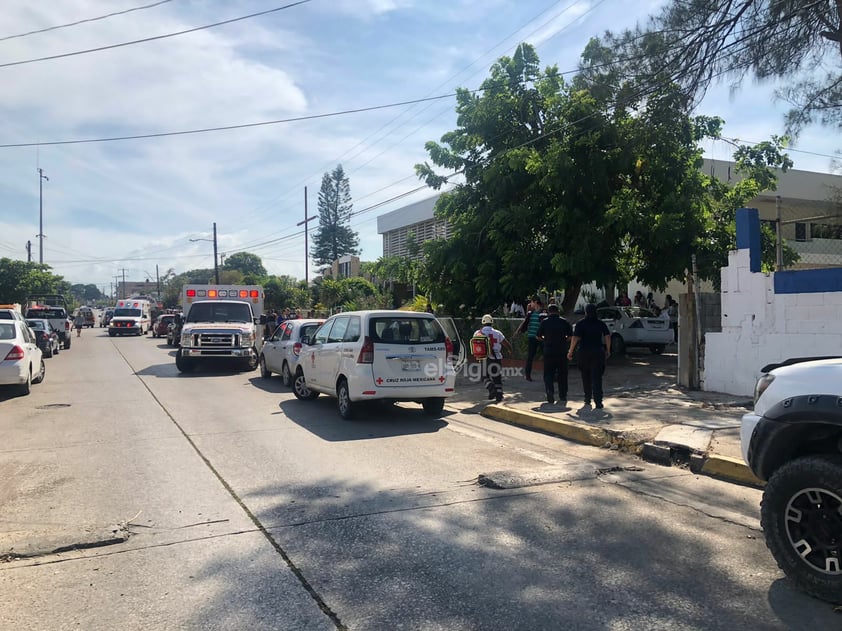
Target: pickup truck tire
801, 516
184, 364
67, 342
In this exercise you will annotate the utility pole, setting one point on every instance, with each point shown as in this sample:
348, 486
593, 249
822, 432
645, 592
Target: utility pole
29, 251
158, 280
215, 265
306, 246
41, 178
116, 287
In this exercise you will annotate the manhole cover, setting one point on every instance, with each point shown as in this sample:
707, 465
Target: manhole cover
50, 406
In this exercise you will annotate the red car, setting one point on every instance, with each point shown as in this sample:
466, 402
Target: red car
159, 329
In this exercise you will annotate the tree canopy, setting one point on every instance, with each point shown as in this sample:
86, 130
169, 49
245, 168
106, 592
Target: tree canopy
694, 42
250, 265
19, 279
567, 183
334, 237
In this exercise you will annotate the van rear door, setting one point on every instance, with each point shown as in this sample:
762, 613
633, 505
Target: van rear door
409, 350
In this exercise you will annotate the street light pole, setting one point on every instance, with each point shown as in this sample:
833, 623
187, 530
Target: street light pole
215, 264
306, 245
41, 178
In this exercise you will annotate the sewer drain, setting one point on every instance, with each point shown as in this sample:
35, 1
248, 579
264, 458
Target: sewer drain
50, 406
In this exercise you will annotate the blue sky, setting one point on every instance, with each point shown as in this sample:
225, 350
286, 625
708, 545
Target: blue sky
134, 204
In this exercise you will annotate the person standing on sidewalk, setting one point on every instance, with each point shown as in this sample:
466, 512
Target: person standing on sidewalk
530, 327
492, 365
555, 334
592, 337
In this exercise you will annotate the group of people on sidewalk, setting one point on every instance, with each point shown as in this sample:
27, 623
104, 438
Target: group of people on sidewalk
561, 341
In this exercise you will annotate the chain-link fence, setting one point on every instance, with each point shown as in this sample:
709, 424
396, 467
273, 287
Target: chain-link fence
810, 233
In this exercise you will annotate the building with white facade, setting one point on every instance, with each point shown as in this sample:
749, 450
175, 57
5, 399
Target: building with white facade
415, 221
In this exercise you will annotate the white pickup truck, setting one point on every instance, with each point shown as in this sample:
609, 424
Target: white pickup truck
793, 440
221, 322
52, 307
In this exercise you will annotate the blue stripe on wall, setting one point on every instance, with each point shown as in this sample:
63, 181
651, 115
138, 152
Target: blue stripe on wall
748, 235
808, 281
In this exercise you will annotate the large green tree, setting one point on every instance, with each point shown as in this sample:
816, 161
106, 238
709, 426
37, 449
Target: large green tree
249, 264
695, 42
562, 186
19, 279
334, 237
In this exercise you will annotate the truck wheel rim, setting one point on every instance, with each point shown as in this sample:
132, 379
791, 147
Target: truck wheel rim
813, 522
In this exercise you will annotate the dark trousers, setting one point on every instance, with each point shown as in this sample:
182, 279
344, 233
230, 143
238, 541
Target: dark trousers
592, 366
492, 377
555, 369
531, 349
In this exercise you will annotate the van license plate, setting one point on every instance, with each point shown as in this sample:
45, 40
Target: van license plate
410, 364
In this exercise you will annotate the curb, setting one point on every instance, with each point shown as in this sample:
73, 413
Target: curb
570, 430
713, 465
730, 469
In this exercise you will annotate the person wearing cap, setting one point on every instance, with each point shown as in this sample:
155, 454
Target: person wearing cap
593, 339
492, 366
555, 333
530, 326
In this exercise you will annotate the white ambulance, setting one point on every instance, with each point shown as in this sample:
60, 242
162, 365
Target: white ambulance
221, 322
132, 316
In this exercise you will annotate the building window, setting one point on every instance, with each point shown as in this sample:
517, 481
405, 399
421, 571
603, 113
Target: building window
800, 231
825, 231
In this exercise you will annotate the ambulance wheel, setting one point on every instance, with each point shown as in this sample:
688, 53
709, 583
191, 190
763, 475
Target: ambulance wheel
184, 364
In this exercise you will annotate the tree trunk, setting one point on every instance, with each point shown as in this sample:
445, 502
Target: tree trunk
571, 295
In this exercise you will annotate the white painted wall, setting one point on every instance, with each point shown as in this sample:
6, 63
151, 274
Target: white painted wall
760, 327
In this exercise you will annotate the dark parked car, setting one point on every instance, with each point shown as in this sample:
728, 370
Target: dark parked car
45, 336
159, 329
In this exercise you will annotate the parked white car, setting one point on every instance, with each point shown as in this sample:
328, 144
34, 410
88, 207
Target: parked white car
378, 355
635, 327
21, 361
281, 352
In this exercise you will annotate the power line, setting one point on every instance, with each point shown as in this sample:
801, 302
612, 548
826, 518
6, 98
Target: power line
224, 127
152, 39
78, 22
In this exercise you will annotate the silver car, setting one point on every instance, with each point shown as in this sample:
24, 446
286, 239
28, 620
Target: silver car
635, 327
280, 352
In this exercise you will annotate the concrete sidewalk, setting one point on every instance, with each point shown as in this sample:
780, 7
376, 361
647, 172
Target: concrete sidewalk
645, 415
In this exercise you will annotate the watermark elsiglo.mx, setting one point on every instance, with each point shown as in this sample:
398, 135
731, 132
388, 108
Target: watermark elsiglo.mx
471, 370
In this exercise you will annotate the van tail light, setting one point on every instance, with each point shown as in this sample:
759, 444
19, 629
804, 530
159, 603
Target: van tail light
366, 352
296, 349
15, 354
448, 346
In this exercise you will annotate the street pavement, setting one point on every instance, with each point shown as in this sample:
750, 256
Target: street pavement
646, 414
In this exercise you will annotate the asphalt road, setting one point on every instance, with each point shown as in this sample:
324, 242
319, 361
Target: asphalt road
216, 500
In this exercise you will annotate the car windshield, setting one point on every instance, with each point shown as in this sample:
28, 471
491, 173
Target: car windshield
638, 312
406, 330
219, 312
7, 331
126, 313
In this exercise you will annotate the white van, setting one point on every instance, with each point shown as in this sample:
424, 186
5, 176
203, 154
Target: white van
378, 355
132, 316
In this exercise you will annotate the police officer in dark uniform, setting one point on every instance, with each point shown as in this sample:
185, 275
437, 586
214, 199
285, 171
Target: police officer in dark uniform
594, 341
555, 332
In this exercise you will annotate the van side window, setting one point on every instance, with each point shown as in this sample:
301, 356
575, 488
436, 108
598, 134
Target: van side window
352, 333
321, 334
337, 333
